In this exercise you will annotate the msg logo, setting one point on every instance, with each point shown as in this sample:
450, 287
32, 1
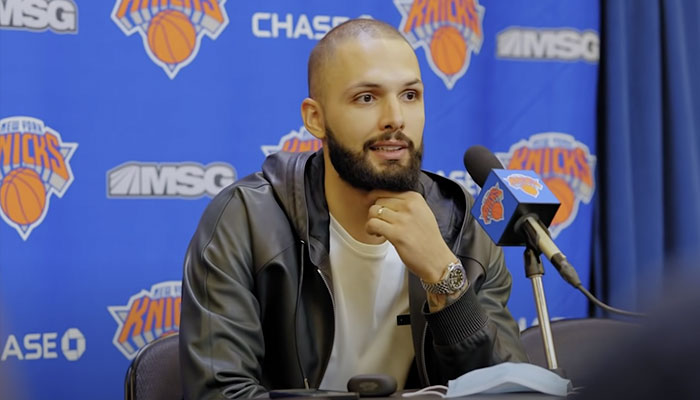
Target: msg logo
60, 16
518, 43
188, 180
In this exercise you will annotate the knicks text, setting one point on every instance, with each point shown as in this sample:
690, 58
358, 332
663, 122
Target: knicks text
147, 316
294, 142
566, 167
448, 30
34, 163
171, 30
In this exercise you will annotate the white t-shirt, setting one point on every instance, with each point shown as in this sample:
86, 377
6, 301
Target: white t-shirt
370, 286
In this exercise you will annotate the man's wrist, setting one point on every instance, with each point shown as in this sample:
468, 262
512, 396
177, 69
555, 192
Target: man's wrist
452, 284
452, 280
440, 267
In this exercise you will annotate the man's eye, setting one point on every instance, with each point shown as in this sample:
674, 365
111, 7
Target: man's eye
365, 98
410, 95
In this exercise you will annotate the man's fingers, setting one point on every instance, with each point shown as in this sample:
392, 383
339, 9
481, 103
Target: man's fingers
401, 195
378, 227
392, 203
382, 212
405, 201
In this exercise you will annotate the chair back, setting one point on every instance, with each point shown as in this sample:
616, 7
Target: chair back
578, 344
154, 373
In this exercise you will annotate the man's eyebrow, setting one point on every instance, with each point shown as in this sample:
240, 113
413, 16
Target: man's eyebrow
364, 85
376, 85
414, 82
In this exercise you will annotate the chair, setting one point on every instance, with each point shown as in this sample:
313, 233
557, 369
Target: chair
578, 344
154, 374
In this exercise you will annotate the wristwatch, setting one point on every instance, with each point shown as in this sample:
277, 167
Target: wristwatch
454, 280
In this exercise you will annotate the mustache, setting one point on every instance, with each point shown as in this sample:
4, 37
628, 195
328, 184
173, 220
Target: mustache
394, 135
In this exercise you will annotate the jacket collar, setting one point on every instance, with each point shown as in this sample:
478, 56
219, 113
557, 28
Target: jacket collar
298, 182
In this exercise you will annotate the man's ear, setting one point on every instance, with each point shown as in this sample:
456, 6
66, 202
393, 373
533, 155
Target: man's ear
312, 114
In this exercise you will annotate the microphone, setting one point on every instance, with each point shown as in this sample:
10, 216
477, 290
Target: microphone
515, 207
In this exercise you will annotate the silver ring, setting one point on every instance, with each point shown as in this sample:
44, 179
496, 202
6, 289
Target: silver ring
380, 211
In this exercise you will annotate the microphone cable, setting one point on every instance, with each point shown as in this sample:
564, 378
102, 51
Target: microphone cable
607, 307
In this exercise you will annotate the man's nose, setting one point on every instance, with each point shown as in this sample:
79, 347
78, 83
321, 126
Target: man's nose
392, 115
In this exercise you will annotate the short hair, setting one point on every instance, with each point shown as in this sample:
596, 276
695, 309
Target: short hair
361, 28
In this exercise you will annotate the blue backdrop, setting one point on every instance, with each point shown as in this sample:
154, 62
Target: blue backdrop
120, 119
650, 143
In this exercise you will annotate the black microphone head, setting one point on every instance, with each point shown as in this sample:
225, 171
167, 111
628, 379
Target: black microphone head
479, 161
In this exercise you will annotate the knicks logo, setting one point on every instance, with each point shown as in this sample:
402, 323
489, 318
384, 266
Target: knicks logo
171, 29
147, 316
492, 205
294, 142
33, 165
566, 167
525, 184
448, 30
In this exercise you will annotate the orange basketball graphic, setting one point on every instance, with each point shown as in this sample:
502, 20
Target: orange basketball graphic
497, 212
171, 36
565, 195
531, 190
22, 196
449, 50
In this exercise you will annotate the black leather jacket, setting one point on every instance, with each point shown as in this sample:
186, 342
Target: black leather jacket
257, 302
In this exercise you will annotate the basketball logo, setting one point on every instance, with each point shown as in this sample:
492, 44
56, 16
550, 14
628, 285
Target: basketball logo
566, 167
566, 196
171, 30
492, 205
526, 184
22, 196
34, 164
294, 142
147, 316
449, 49
449, 32
171, 36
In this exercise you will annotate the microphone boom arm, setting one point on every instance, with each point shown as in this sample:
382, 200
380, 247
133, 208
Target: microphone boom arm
537, 236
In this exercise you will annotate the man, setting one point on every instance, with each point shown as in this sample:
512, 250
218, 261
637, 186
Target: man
318, 268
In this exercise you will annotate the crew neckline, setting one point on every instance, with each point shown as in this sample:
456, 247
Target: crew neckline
364, 249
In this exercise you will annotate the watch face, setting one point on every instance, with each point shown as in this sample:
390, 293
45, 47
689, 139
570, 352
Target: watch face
456, 278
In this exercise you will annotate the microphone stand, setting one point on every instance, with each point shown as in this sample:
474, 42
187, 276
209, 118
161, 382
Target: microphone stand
534, 271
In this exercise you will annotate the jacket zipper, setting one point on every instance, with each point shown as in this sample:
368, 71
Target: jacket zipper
422, 356
330, 292
296, 318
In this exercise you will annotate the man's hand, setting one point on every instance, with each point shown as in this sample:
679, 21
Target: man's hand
406, 221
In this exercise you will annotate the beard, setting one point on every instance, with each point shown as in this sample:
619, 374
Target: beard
356, 168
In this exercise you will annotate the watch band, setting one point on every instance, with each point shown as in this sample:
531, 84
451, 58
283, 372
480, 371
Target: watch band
454, 280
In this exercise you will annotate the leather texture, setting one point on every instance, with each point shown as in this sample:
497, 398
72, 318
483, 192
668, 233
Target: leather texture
578, 344
154, 374
257, 300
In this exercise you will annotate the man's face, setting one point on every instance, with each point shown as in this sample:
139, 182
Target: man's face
374, 116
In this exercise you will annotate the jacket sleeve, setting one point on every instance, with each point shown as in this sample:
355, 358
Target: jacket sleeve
477, 330
221, 343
